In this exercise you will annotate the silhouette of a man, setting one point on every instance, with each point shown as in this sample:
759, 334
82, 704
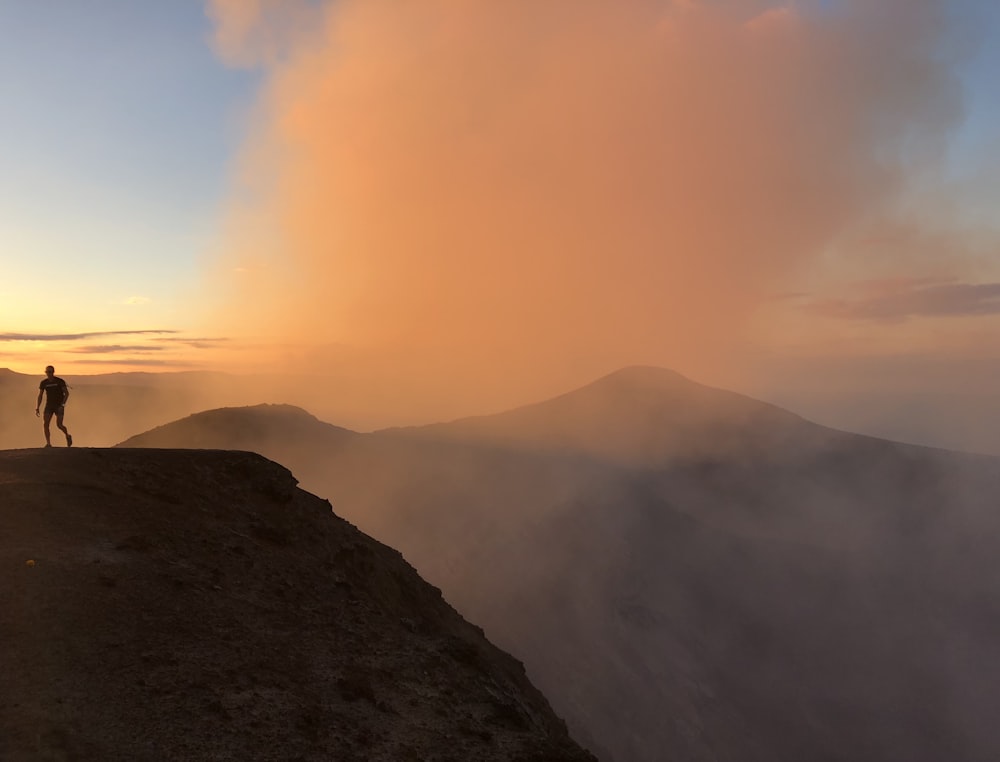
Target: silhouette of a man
56, 393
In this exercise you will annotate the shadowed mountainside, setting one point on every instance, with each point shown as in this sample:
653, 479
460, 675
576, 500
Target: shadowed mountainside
197, 605
690, 573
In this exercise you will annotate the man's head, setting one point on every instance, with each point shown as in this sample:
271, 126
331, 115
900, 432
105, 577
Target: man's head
50, 371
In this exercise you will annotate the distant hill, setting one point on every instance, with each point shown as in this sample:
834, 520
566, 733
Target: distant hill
692, 574
165, 605
300, 437
243, 427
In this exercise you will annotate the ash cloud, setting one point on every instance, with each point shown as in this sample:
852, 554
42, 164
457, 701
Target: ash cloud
493, 200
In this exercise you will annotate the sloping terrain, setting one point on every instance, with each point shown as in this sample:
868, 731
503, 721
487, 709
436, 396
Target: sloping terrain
197, 605
688, 573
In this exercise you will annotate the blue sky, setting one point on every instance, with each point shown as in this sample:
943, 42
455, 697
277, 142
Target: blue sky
975, 149
118, 128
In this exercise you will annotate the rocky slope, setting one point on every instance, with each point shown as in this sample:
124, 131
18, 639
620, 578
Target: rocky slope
197, 605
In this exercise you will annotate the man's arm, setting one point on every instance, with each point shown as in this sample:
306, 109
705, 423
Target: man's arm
38, 402
65, 392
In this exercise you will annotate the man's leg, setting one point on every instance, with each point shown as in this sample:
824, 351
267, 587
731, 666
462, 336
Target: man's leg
59, 422
46, 419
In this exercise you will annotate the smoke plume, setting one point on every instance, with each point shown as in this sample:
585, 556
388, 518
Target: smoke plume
497, 198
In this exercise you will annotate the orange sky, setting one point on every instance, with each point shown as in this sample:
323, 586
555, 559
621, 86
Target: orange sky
495, 200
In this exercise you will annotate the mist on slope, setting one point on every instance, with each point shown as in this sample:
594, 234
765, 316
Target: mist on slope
778, 590
451, 208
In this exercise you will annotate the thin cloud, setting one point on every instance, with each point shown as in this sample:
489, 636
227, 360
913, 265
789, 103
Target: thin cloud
905, 298
201, 345
202, 342
76, 336
112, 348
143, 361
135, 301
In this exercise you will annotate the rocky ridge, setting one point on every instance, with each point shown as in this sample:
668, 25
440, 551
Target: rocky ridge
197, 605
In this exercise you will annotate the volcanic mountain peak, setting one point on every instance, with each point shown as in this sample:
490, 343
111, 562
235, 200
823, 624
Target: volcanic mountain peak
647, 388
642, 415
177, 604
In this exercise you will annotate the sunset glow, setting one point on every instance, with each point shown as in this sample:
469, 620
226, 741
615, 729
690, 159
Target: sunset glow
478, 204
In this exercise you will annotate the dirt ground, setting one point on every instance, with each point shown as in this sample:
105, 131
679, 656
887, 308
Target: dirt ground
196, 605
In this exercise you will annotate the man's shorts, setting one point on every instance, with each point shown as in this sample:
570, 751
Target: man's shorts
55, 410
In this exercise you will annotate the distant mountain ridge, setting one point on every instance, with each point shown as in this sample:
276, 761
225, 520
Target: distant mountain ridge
692, 574
640, 414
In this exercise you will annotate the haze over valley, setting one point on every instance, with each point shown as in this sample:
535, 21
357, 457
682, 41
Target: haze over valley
687, 573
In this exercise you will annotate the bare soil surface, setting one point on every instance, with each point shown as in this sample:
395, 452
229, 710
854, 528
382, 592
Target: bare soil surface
196, 605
